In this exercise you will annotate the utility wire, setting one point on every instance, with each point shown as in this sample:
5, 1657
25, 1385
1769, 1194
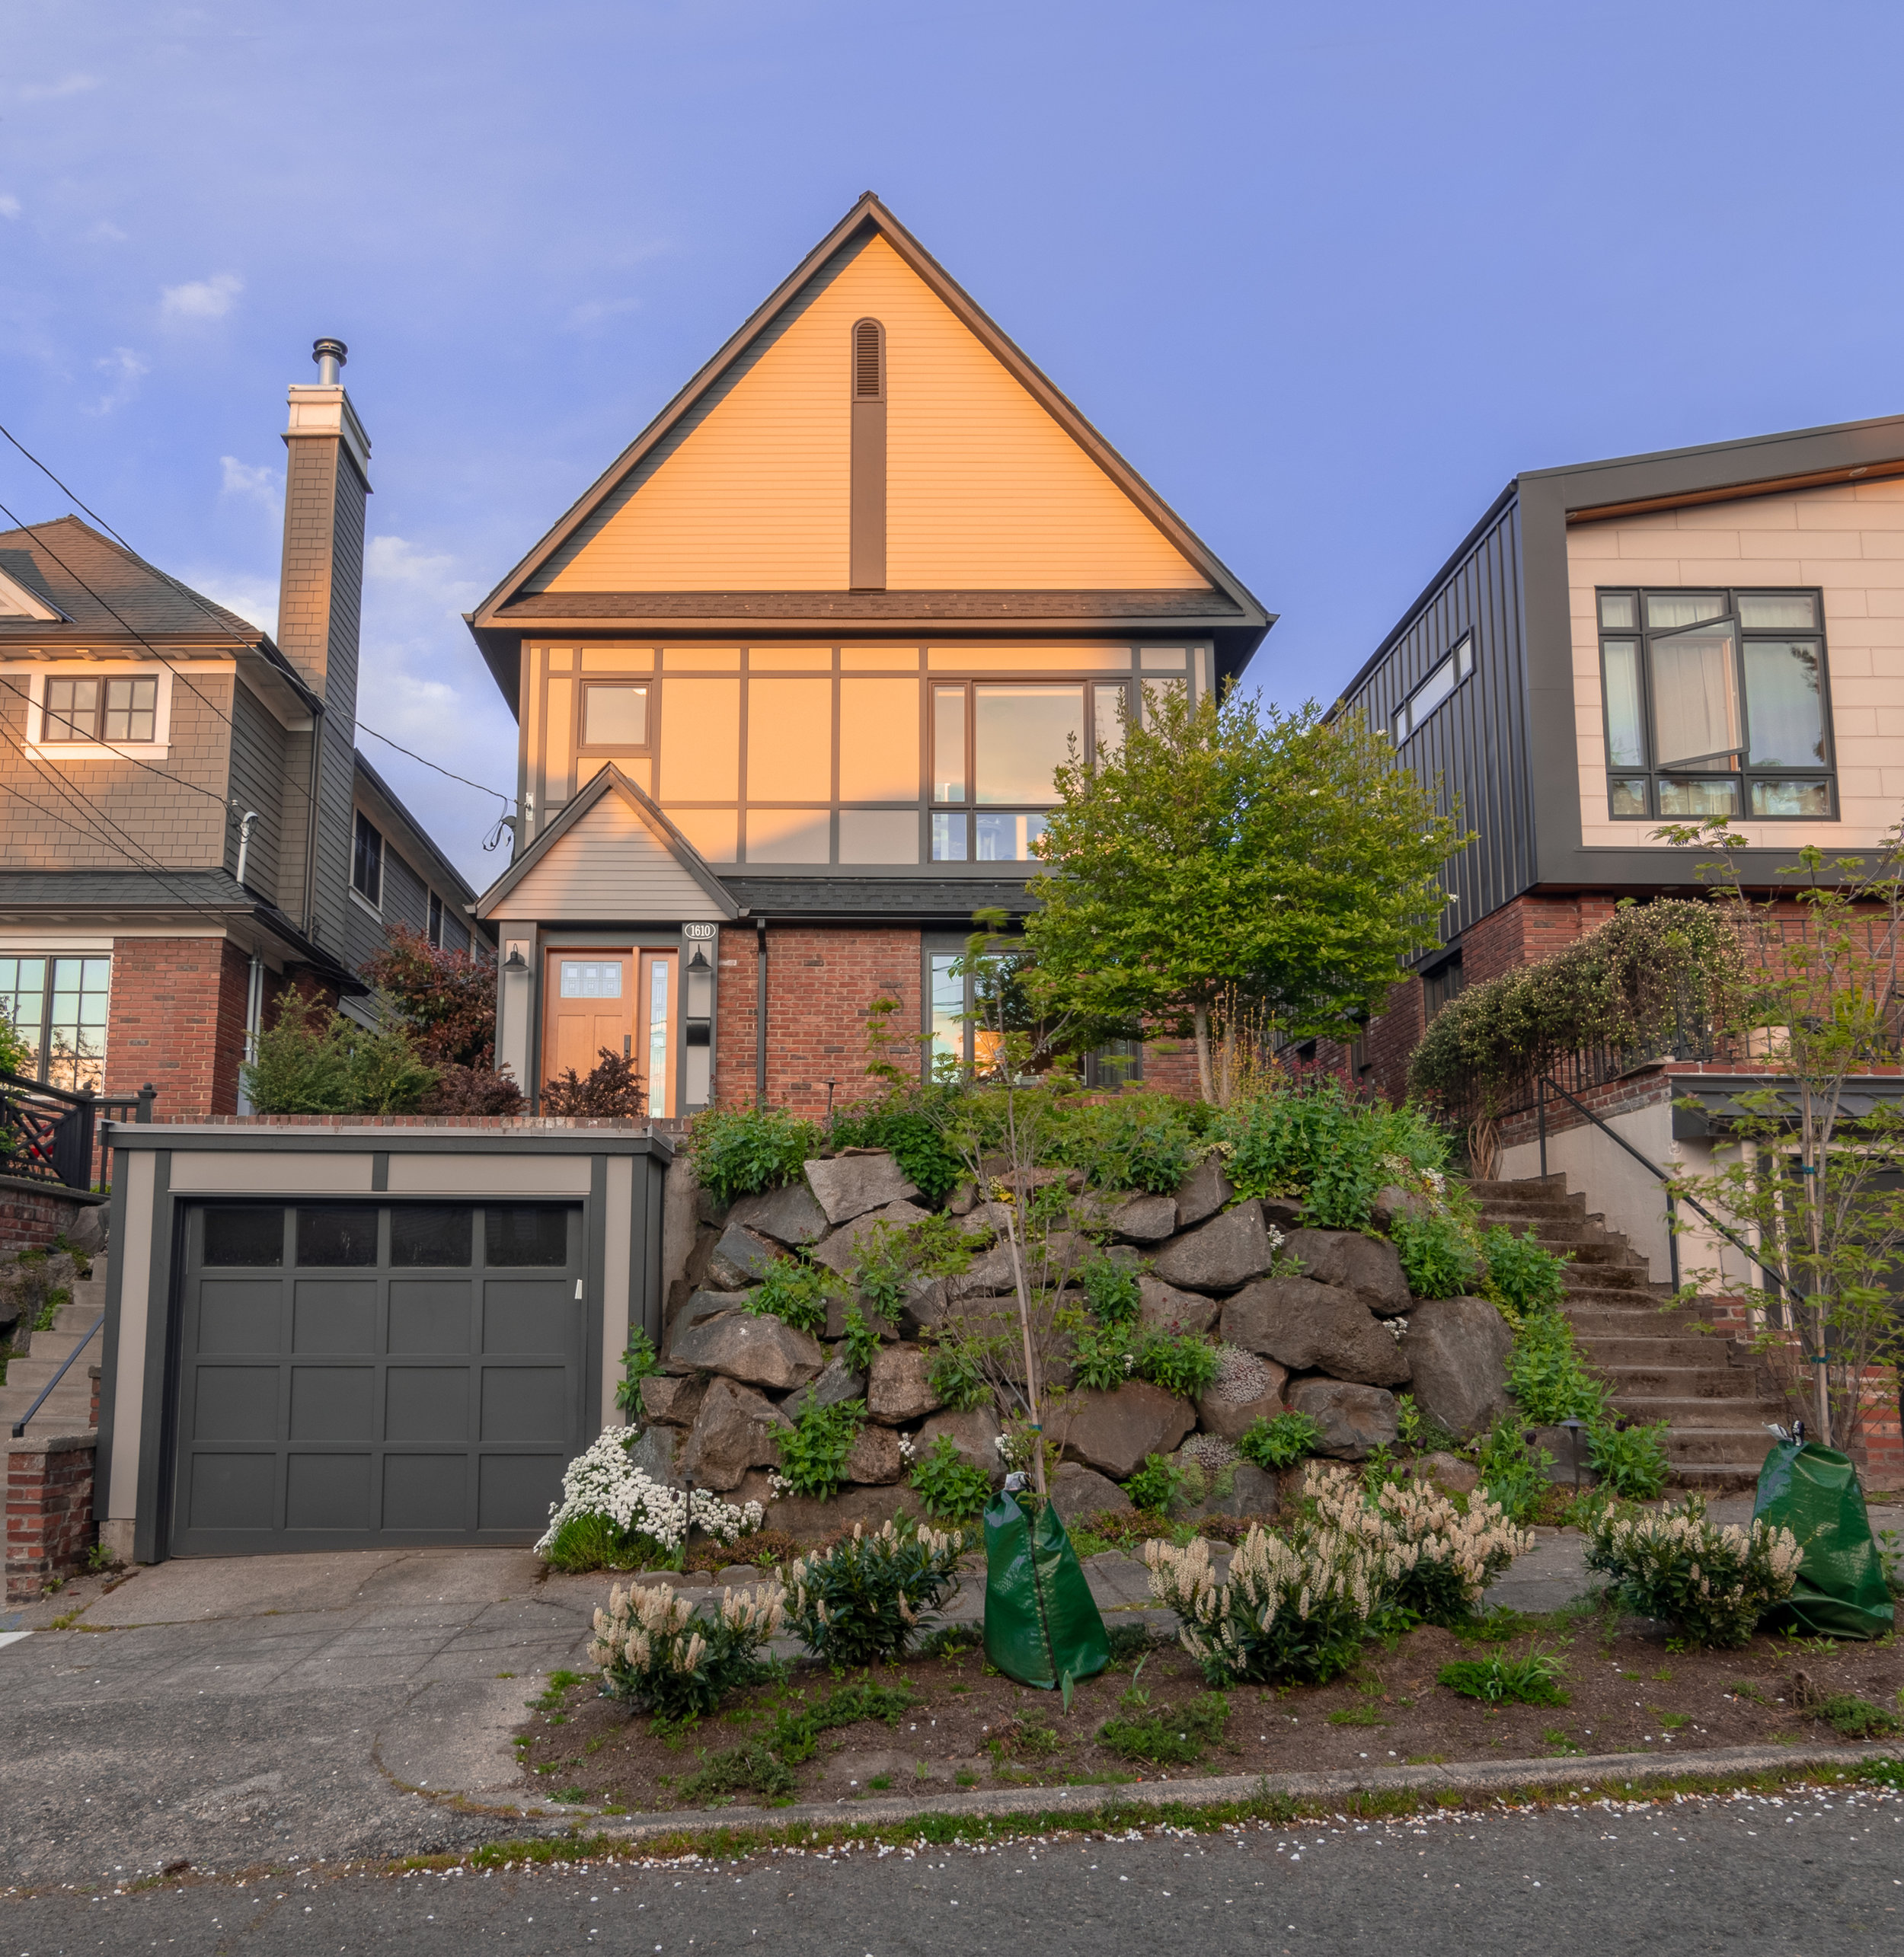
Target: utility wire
119, 754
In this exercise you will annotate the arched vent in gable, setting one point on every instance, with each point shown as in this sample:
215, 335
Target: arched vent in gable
869, 361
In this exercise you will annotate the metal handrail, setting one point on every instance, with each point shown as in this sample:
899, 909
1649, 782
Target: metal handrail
19, 1426
1659, 1175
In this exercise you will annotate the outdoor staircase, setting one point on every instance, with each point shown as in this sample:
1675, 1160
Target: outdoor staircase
1661, 1367
35, 1358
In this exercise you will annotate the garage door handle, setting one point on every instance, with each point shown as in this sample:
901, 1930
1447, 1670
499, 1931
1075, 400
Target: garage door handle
578, 1291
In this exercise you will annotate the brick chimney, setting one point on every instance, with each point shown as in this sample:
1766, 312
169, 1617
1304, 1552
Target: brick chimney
320, 601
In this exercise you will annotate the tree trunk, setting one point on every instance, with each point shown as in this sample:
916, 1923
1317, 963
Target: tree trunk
1204, 1086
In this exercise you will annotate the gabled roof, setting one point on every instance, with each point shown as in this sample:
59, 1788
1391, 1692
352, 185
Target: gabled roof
96, 586
672, 844
1227, 608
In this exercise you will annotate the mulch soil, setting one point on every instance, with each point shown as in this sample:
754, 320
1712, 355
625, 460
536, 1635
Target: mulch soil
969, 1727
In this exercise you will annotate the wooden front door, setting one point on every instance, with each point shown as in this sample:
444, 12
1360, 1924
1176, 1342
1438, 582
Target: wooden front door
590, 1004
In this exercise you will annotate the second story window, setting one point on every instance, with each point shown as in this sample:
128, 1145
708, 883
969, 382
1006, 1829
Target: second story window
366, 862
1447, 674
96, 712
435, 920
1716, 705
614, 717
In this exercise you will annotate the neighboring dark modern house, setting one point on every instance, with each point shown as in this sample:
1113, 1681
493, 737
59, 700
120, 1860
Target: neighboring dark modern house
793, 678
188, 825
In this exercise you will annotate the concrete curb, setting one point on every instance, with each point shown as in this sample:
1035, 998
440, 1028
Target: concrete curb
1479, 1777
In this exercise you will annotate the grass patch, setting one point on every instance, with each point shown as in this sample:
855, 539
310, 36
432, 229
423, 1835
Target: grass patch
1165, 1735
1531, 1681
753, 1768
1853, 1717
1356, 1715
560, 1684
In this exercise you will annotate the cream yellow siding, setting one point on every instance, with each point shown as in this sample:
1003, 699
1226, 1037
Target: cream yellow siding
1848, 540
985, 491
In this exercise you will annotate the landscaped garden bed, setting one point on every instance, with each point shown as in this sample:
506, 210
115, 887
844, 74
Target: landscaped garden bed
942, 1724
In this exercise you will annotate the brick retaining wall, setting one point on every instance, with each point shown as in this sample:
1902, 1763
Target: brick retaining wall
32, 1214
50, 1511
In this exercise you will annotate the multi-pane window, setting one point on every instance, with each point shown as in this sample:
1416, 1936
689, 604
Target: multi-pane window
1444, 982
955, 1034
58, 1006
1447, 674
1717, 704
119, 711
999, 744
366, 860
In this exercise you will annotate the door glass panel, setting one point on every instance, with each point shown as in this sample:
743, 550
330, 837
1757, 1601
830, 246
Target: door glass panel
519, 1234
337, 1236
1695, 698
1625, 745
243, 1235
1022, 736
435, 1234
590, 979
660, 1023
1782, 693
948, 1007
948, 744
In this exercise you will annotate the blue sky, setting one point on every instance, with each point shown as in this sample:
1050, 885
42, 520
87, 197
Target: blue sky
1328, 275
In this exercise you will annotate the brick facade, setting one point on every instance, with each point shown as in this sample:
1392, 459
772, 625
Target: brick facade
50, 1511
177, 1020
32, 1215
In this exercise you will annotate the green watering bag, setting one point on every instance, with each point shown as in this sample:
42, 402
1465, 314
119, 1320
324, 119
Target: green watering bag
1041, 1625
1840, 1592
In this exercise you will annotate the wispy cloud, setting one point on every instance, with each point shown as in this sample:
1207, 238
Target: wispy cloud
124, 370
104, 232
200, 298
598, 312
54, 91
9, 205
393, 561
263, 485
252, 598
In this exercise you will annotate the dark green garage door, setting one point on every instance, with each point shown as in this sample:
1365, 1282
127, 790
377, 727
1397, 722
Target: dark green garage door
354, 1375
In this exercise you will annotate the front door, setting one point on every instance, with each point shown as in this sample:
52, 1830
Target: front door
591, 997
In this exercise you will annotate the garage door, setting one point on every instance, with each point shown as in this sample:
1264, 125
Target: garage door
353, 1375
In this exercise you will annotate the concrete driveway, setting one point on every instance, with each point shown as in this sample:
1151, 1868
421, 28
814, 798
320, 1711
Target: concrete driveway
244, 1708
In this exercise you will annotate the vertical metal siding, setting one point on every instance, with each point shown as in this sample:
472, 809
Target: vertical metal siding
1476, 741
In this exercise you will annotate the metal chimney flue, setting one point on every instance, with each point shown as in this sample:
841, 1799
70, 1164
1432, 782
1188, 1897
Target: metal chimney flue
330, 355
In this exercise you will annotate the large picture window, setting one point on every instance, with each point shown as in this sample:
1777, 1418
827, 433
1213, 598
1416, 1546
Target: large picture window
1717, 704
59, 1007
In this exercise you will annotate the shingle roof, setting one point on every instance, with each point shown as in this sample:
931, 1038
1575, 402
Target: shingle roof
90, 578
991, 606
910, 898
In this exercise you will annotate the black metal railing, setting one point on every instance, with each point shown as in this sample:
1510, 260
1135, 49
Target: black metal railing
19, 1426
47, 1134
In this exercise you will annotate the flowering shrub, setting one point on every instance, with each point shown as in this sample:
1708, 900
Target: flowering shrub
1449, 1555
1240, 1375
1296, 1607
863, 1601
612, 1512
657, 1653
1712, 1584
1211, 1452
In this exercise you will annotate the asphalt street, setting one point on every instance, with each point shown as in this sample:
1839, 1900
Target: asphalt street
1810, 1873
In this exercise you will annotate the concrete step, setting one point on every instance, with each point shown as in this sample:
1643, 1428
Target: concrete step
1727, 1385
1687, 1415
1635, 1322
1614, 1355
1735, 1446
1484, 1190
1718, 1477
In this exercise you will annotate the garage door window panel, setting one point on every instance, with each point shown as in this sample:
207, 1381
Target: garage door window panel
441, 1236
330, 1237
243, 1235
522, 1235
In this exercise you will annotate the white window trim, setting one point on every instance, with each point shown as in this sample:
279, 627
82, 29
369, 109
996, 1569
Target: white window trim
36, 675
363, 903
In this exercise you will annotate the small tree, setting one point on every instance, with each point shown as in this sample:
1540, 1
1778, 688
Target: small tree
611, 1091
1229, 847
314, 1061
1818, 1183
447, 999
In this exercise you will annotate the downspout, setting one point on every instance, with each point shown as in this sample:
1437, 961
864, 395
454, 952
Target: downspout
760, 1012
253, 1010
245, 824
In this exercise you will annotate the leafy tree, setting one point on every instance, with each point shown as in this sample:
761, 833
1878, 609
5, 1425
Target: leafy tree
312, 1062
1232, 848
447, 999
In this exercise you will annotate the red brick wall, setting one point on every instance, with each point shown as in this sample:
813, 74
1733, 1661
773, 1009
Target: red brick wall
821, 980
32, 1218
50, 1511
177, 1020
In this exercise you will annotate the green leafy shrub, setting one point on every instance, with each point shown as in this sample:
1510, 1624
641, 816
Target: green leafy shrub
750, 1768
891, 1256
315, 1062
1295, 1609
861, 1341
1155, 1485
1711, 1584
950, 1489
914, 1131
1631, 1462
813, 1452
639, 1361
1522, 1276
1853, 1717
1113, 1289
1280, 1440
1334, 1152
741, 1151
1102, 1356
611, 1089
1546, 1376
954, 1374
1532, 1680
1165, 1735
1147, 1141
1513, 1474
1437, 1259
864, 1600
655, 1653
796, 1728
796, 1292
1180, 1362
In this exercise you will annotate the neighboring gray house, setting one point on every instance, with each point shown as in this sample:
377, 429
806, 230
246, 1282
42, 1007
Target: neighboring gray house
188, 825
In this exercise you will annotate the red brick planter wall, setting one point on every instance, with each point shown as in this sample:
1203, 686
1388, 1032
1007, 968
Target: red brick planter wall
32, 1215
50, 1511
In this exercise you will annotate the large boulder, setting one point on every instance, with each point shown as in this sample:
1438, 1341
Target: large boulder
898, 1389
1229, 1418
1240, 1488
1449, 1474
1078, 1492
1457, 1351
1112, 1431
669, 1401
837, 1384
753, 1347
700, 1304
654, 1450
840, 1250
803, 1516
741, 1258
1391, 1201
848, 1185
1170, 1309
1228, 1251
875, 1459
1364, 1265
974, 1431
1355, 1419
733, 1431
1202, 1192
1136, 1219
1310, 1327
789, 1214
